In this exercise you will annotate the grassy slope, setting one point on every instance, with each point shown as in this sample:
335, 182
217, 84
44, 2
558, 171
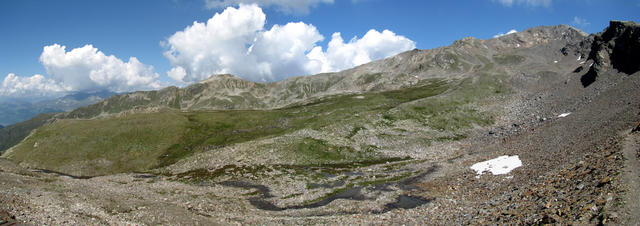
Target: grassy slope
13, 134
129, 143
140, 142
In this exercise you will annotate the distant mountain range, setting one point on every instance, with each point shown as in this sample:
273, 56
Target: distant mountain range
16, 110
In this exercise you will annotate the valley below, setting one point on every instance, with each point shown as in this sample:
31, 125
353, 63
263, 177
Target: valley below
388, 142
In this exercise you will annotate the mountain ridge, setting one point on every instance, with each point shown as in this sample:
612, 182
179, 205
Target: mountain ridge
220, 92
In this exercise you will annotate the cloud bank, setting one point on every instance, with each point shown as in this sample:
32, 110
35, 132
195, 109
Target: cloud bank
286, 6
36, 85
236, 41
81, 69
87, 68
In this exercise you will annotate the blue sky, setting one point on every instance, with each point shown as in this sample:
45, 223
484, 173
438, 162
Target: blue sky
143, 29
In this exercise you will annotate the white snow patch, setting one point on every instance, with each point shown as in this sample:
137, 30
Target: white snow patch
582, 62
555, 61
564, 115
500, 165
579, 58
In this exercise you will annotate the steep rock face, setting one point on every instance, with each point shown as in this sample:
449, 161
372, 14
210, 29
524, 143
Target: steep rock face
618, 46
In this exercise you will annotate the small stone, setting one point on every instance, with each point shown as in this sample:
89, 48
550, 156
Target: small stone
548, 220
604, 181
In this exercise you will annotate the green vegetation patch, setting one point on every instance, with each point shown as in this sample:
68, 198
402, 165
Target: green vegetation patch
369, 78
455, 137
321, 150
355, 131
456, 110
211, 130
385, 180
101, 146
508, 59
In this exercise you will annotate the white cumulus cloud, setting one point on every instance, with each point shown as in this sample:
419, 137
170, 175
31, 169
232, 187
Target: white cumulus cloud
286, 6
83, 69
534, 3
373, 45
36, 85
177, 73
86, 69
503, 34
236, 41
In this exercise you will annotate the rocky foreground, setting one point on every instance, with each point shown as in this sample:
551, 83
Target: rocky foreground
599, 186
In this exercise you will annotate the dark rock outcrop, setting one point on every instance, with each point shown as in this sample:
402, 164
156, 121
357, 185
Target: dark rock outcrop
636, 128
618, 46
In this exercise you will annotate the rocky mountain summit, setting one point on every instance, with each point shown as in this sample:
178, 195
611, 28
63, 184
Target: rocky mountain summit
549, 113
